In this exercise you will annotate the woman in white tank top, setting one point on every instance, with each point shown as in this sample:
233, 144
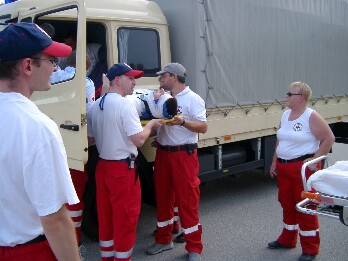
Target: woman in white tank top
302, 136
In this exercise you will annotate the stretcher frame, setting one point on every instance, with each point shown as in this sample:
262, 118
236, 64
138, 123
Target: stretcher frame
326, 205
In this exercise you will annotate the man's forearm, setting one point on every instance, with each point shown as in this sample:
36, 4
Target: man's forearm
196, 126
60, 232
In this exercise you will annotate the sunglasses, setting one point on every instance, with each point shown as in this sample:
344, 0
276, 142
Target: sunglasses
291, 94
54, 60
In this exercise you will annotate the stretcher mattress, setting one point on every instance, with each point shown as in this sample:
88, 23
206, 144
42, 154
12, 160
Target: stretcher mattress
332, 180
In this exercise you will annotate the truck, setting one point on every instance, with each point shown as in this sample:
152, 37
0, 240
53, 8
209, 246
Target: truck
240, 56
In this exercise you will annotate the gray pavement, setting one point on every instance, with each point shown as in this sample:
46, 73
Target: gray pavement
240, 215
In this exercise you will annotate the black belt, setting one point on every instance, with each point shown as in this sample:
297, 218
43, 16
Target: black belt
130, 160
296, 159
121, 160
177, 148
36, 240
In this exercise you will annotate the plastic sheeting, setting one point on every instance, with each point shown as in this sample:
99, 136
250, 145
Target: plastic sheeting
332, 180
249, 51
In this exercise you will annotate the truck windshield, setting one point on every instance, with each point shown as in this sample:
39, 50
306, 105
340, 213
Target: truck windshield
140, 49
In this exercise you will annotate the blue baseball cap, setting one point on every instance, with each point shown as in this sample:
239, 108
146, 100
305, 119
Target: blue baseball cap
123, 69
23, 40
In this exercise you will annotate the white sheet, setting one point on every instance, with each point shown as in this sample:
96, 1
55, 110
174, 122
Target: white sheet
332, 180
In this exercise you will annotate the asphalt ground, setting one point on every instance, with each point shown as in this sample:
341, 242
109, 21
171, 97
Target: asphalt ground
240, 215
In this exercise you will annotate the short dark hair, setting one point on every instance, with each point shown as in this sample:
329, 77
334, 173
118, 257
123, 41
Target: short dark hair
181, 79
9, 70
49, 29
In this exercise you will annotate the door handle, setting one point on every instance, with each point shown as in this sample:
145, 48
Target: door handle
72, 127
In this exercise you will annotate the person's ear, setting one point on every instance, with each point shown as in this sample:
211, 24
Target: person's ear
106, 85
118, 79
26, 66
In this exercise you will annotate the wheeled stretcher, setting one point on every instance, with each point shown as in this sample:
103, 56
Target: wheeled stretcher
331, 184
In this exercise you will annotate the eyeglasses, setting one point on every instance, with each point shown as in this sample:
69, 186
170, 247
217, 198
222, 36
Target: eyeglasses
291, 94
54, 60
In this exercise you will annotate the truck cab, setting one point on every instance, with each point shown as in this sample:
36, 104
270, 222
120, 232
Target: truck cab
134, 32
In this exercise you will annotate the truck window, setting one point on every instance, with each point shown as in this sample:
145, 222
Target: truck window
62, 30
140, 49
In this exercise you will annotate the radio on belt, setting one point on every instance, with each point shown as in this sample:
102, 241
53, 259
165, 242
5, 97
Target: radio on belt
131, 161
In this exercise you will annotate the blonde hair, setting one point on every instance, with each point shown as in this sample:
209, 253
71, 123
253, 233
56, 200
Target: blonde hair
304, 89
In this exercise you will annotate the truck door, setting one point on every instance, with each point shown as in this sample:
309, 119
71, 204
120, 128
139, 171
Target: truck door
65, 102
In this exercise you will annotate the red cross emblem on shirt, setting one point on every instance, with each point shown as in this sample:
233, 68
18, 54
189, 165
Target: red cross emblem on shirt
298, 127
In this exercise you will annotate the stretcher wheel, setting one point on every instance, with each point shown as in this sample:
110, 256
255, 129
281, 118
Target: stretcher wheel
343, 215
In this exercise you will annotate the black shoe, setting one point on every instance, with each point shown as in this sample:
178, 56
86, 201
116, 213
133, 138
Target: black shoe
180, 238
276, 245
175, 231
306, 257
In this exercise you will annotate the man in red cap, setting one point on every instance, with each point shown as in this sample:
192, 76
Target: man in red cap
35, 182
114, 126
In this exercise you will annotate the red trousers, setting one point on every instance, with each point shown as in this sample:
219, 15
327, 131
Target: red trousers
290, 188
176, 180
118, 203
176, 218
30, 252
79, 179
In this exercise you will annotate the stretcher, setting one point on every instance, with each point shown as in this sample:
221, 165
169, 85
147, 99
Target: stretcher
331, 196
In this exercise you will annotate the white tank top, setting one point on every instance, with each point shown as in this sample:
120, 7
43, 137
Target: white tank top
295, 137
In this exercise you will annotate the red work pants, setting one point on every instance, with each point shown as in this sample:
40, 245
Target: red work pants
29, 252
176, 179
290, 188
118, 203
79, 179
176, 218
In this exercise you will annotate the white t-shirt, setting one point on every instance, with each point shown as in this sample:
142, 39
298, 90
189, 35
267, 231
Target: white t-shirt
69, 73
112, 126
192, 107
34, 177
295, 137
63, 74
